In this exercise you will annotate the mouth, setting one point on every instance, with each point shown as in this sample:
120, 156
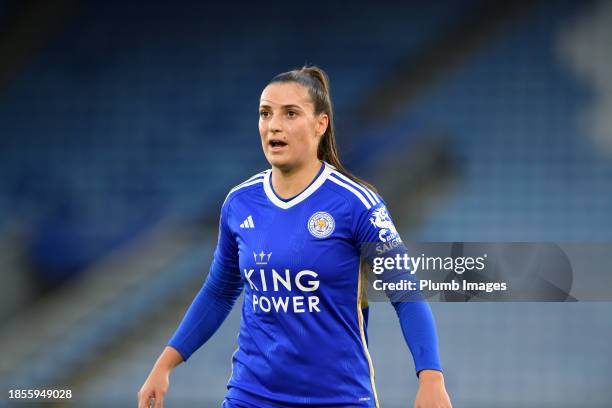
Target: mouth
277, 144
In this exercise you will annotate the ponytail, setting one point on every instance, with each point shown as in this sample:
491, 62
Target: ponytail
317, 83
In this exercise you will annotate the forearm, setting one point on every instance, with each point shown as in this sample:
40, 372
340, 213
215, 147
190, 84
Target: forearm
208, 310
431, 376
419, 330
168, 359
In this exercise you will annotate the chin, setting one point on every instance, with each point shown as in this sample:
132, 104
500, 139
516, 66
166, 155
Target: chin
282, 163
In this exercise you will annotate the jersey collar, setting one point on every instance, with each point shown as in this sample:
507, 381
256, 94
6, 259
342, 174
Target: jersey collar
314, 185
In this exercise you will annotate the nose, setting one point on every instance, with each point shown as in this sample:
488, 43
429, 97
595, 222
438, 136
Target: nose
274, 124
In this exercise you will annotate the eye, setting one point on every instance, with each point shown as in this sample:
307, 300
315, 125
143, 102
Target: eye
264, 113
291, 113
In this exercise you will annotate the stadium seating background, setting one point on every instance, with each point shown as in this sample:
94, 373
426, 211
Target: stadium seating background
122, 134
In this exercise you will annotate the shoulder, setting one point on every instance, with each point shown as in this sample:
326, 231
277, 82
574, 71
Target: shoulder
252, 183
359, 197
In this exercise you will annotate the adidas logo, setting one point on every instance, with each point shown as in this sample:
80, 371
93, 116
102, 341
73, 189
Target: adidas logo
248, 223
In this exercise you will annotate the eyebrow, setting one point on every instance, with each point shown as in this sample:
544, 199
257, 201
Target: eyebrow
284, 106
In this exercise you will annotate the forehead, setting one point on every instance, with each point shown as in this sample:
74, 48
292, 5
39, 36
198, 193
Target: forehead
287, 93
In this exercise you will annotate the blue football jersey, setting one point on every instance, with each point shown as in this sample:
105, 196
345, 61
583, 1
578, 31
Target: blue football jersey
302, 335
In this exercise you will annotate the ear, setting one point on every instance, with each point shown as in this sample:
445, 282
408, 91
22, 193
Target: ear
321, 125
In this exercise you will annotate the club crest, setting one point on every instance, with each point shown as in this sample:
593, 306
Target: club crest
321, 224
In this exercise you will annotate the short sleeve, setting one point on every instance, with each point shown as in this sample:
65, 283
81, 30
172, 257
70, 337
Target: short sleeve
226, 253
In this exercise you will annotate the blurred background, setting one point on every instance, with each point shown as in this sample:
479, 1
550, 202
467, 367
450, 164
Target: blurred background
124, 124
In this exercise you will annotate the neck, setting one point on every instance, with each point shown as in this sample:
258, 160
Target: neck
289, 183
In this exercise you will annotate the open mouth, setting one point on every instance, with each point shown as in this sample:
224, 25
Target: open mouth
276, 144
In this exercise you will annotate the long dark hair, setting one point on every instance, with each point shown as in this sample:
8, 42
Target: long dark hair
317, 83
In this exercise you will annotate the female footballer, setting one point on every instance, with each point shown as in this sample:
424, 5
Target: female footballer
292, 238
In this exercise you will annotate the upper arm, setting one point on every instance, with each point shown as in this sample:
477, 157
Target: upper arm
373, 227
377, 239
226, 253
